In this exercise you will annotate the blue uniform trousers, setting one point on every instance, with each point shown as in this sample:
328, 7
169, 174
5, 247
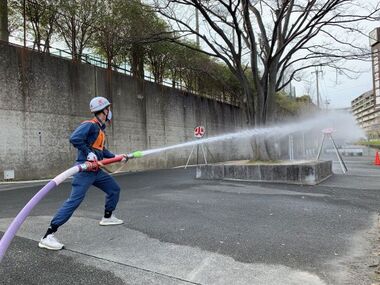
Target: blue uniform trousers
81, 182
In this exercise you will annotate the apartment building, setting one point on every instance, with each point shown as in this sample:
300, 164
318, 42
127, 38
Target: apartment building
366, 114
366, 107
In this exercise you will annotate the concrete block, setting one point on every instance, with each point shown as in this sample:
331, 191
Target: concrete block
236, 171
298, 173
324, 169
279, 173
293, 173
266, 172
210, 172
254, 172
308, 175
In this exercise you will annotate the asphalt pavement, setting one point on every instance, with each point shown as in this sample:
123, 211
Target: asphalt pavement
179, 230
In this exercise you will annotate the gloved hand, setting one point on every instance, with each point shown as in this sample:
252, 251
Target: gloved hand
92, 157
92, 166
125, 157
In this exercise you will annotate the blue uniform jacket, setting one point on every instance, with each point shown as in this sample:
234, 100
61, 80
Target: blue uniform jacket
84, 138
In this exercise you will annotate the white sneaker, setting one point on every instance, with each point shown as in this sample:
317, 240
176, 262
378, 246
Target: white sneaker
111, 221
50, 242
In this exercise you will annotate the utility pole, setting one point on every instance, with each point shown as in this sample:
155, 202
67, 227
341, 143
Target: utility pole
198, 46
327, 103
4, 32
197, 25
317, 72
24, 20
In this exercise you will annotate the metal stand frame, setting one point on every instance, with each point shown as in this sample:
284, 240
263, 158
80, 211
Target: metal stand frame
291, 147
340, 159
203, 152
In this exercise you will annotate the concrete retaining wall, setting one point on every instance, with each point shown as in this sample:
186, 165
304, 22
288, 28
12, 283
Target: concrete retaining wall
43, 98
309, 173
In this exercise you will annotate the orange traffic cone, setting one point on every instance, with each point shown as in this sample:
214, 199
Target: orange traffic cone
377, 158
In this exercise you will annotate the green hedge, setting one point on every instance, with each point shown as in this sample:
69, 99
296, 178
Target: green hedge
371, 143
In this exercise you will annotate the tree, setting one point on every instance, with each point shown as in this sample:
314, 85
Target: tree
193, 65
174, 63
15, 18
276, 39
218, 82
138, 22
4, 31
198, 72
40, 16
124, 30
112, 33
146, 28
157, 57
77, 22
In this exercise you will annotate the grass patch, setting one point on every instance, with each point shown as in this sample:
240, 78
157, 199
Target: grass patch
371, 143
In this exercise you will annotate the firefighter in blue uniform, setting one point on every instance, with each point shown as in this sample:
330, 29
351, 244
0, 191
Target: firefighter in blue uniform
89, 139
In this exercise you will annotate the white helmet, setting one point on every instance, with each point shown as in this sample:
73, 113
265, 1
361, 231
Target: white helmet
98, 104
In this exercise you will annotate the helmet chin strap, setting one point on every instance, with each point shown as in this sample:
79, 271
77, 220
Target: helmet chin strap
104, 113
100, 121
106, 117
